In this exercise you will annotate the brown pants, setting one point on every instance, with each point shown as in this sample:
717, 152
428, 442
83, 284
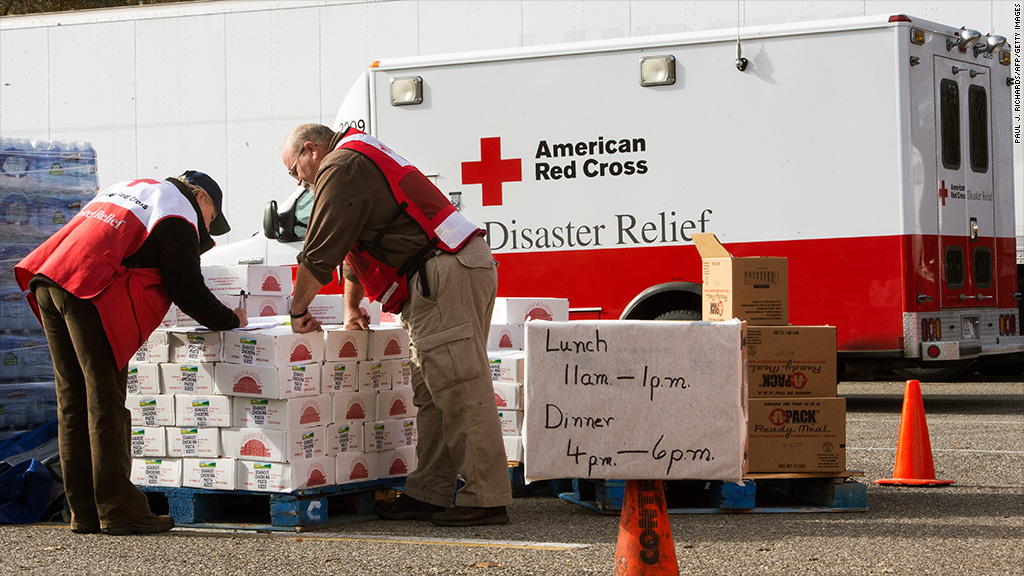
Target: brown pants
457, 418
93, 423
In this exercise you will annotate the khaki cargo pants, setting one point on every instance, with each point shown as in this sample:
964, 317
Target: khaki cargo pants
457, 418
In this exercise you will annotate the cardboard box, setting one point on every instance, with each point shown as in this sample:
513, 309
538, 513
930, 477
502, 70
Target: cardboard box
507, 366
797, 435
143, 378
249, 279
754, 289
387, 342
186, 442
255, 444
307, 443
276, 382
373, 375
344, 437
511, 422
791, 361
505, 337
216, 474
328, 308
188, 378
400, 371
349, 406
513, 448
202, 411
156, 348
192, 345
341, 376
508, 395
277, 346
521, 310
280, 477
396, 463
380, 435
395, 404
151, 410
341, 344
156, 472
257, 306
289, 414
148, 442
353, 467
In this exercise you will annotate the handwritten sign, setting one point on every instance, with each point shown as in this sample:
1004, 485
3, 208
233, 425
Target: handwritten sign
628, 399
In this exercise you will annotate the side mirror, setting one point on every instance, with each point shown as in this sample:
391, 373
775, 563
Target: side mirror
271, 221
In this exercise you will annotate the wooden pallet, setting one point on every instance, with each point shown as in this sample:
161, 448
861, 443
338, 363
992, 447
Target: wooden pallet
267, 511
759, 493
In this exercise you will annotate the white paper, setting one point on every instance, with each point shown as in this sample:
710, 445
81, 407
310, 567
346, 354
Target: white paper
635, 400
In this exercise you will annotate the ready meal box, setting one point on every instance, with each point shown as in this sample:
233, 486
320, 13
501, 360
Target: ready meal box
354, 466
797, 435
289, 414
520, 310
194, 442
148, 442
344, 345
342, 376
211, 474
277, 382
164, 472
281, 477
202, 411
151, 409
791, 361
188, 378
143, 378
396, 463
277, 346
387, 342
754, 289
190, 345
249, 279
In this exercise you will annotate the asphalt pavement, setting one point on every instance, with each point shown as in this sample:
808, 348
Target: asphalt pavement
973, 528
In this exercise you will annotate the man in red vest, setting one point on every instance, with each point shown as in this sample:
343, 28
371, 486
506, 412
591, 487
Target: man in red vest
100, 286
404, 245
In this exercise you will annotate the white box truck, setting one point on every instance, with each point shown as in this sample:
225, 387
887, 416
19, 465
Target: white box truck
875, 153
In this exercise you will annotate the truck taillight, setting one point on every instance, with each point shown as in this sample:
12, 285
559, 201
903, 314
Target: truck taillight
931, 330
1007, 325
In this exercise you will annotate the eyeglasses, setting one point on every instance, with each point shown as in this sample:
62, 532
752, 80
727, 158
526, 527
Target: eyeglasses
294, 170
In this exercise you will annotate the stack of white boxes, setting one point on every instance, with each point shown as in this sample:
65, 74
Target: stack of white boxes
505, 344
256, 409
369, 376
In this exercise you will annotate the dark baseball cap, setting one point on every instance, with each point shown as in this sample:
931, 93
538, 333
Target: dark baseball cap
220, 223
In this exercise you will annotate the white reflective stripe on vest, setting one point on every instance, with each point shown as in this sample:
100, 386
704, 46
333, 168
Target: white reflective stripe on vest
455, 229
371, 141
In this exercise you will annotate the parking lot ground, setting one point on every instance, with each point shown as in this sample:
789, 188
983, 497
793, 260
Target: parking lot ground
973, 528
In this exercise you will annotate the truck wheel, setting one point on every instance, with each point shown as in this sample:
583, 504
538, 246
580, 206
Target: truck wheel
944, 374
679, 315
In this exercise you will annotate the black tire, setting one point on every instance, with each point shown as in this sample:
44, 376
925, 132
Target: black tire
679, 315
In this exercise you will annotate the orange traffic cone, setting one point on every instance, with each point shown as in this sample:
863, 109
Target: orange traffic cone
914, 465
645, 546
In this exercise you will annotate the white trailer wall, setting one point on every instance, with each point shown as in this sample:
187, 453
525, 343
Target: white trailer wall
216, 85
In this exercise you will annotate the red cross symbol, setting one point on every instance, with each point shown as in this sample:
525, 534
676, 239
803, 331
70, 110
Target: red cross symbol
143, 181
492, 171
943, 192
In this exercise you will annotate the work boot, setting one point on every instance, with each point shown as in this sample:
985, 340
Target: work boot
406, 507
150, 524
471, 516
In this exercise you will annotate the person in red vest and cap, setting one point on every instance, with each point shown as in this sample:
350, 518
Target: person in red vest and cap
100, 286
405, 245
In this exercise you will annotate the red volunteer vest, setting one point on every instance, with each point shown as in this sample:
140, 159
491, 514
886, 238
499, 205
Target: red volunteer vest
445, 227
84, 257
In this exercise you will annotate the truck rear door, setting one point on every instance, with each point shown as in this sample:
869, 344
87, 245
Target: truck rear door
965, 180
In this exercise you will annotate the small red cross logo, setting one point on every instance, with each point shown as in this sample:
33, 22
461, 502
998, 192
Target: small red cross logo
492, 171
943, 192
